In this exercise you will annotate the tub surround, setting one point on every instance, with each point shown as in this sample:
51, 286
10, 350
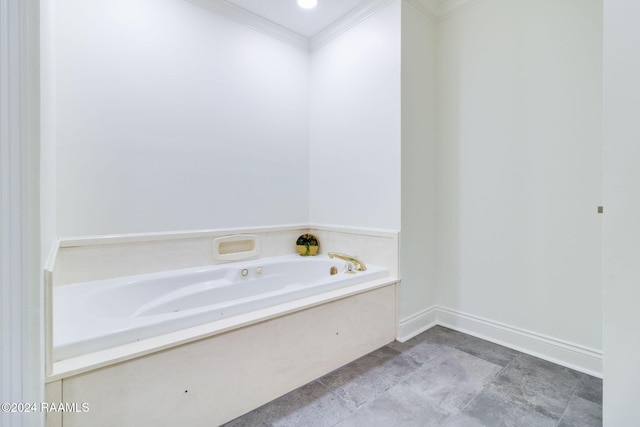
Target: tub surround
98, 315
223, 368
104, 257
95, 258
83, 259
211, 381
121, 353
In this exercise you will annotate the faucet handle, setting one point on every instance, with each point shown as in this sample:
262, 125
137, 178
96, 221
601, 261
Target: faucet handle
359, 265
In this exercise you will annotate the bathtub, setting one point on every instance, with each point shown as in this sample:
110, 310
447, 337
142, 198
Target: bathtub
92, 316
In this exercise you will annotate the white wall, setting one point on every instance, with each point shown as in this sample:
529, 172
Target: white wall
622, 212
355, 125
417, 241
261, 134
170, 117
520, 166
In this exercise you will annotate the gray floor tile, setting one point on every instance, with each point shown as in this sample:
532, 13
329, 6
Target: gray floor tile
367, 377
310, 405
582, 413
440, 377
488, 351
538, 384
445, 336
398, 407
590, 388
454, 380
490, 410
463, 420
441, 336
422, 351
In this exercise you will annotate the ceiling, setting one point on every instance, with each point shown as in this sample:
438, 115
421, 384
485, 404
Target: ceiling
306, 22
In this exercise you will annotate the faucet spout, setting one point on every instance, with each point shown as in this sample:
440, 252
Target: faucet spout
359, 265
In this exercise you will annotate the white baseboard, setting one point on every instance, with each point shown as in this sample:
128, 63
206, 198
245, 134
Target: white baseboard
555, 350
416, 324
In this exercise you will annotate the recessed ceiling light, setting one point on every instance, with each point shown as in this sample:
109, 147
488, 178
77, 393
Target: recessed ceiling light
307, 4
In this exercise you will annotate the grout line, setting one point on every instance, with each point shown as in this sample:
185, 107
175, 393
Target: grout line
504, 368
431, 364
575, 391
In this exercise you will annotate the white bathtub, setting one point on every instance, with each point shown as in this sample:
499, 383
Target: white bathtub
93, 316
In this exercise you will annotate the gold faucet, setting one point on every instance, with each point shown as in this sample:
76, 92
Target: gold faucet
359, 265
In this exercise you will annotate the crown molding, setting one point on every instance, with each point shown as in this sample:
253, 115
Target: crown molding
267, 27
344, 23
251, 20
446, 8
429, 8
441, 9
433, 9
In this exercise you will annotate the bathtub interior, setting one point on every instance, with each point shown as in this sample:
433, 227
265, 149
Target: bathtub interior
96, 315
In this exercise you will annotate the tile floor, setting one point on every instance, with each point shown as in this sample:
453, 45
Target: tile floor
439, 378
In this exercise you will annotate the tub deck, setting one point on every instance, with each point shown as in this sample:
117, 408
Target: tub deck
103, 322
93, 316
214, 379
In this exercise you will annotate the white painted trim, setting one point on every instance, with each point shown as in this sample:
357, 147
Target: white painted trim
378, 232
433, 9
447, 8
428, 8
562, 352
69, 242
258, 23
21, 352
555, 350
251, 20
347, 21
417, 323
111, 239
441, 9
